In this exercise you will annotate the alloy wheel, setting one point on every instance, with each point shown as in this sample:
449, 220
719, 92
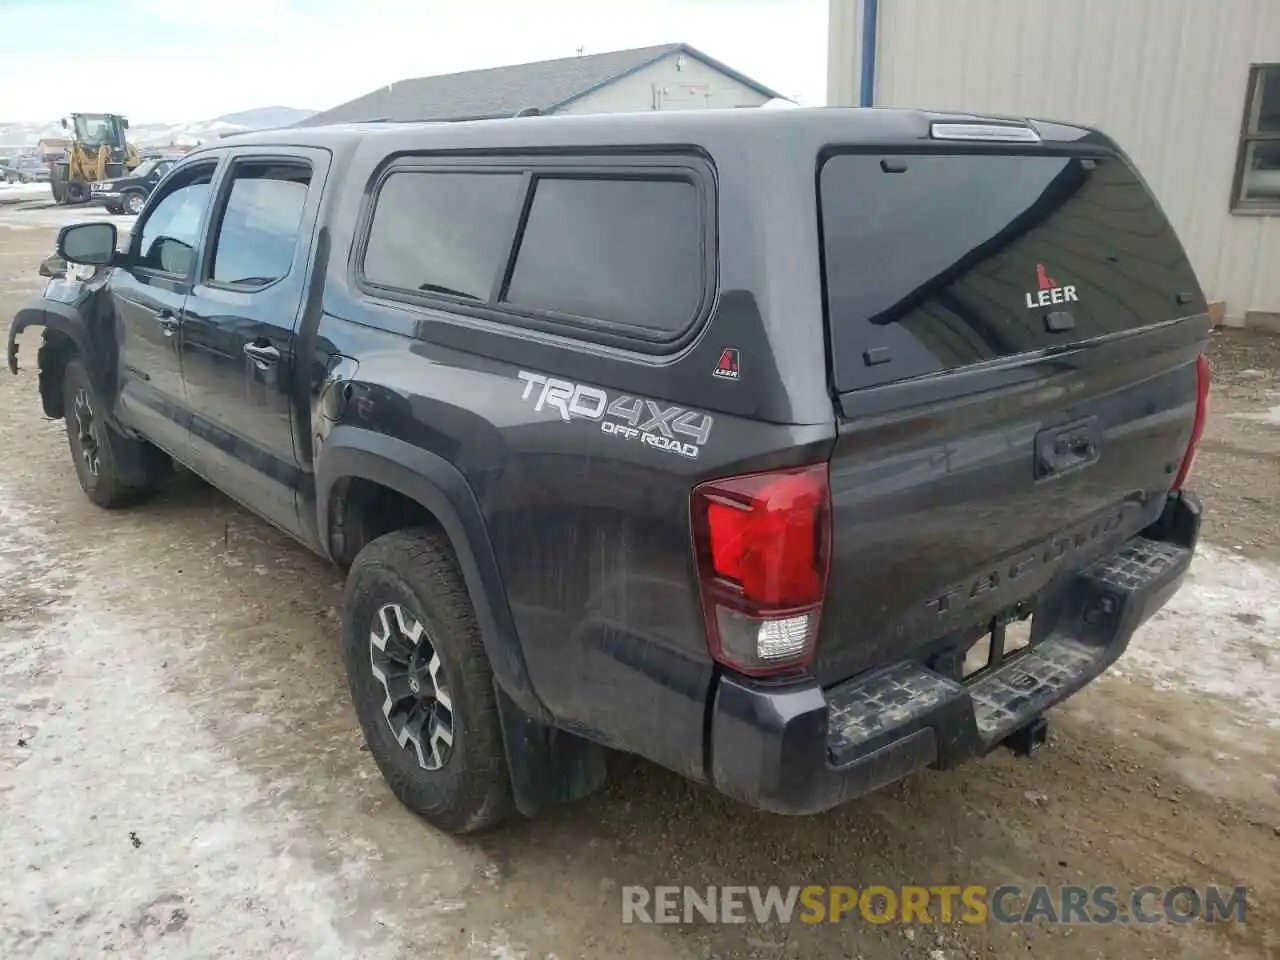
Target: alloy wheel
416, 704
87, 430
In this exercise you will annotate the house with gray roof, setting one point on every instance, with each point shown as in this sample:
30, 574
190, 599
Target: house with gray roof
673, 76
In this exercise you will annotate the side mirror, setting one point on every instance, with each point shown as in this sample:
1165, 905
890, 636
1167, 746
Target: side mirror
53, 266
93, 244
124, 123
64, 123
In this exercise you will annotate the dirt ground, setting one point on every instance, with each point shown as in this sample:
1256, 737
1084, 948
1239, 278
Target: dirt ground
181, 774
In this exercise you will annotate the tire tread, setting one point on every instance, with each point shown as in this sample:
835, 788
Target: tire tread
424, 560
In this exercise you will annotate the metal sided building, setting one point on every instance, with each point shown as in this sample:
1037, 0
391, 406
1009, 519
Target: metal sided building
1190, 89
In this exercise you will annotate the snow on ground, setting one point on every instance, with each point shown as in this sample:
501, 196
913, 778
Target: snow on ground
1219, 635
36, 216
90, 824
14, 192
1271, 417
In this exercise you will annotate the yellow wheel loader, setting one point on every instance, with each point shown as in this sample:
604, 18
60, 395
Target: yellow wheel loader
97, 150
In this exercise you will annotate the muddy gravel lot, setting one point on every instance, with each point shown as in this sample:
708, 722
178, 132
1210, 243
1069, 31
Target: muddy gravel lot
181, 774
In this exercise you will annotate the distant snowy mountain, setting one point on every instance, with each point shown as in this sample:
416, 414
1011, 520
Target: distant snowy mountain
24, 135
263, 118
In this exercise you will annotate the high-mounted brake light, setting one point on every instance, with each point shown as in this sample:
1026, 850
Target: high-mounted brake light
998, 132
1197, 426
763, 547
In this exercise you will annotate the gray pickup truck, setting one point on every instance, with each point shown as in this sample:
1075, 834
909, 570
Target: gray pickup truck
794, 451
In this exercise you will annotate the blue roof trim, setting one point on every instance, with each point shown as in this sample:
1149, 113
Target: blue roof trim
675, 48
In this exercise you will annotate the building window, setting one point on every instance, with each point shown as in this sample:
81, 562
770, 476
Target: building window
1257, 181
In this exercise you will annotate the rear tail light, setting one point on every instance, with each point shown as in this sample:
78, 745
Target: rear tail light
763, 547
1197, 427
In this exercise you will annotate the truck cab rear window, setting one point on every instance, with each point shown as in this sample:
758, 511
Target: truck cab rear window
936, 262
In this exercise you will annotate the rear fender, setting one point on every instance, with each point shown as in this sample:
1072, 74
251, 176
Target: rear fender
437, 485
548, 766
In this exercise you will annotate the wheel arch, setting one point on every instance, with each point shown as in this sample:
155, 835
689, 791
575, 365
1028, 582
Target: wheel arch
352, 457
66, 335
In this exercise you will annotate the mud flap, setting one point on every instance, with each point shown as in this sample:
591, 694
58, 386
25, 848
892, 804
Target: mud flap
548, 766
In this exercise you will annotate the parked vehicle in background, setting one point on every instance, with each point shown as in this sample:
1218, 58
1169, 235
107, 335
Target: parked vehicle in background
26, 169
794, 450
128, 194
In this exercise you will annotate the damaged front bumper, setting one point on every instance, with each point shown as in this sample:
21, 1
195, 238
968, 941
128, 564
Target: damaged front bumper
799, 749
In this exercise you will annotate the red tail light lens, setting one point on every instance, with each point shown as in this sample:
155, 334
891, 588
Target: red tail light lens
1197, 427
763, 547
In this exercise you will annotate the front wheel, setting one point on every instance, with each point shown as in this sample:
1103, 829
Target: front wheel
421, 683
113, 470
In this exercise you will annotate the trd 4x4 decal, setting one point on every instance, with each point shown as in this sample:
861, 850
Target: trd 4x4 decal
650, 422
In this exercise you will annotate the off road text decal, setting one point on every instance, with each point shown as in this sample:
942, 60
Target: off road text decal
651, 422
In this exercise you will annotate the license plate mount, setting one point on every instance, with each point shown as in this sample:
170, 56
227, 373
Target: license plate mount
1007, 638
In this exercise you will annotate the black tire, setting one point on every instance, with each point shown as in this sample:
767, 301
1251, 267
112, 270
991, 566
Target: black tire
134, 202
113, 470
58, 183
113, 209
416, 572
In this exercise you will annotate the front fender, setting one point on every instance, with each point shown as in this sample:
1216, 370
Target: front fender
64, 318
354, 452
69, 329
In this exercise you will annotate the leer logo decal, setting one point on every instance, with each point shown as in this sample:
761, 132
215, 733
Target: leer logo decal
673, 429
1049, 292
727, 368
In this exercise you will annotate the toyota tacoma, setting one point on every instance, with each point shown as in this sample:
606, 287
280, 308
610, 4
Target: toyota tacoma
794, 451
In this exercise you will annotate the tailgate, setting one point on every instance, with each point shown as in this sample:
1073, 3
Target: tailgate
1013, 341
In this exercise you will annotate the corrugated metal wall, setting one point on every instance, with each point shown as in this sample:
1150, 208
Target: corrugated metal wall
1165, 78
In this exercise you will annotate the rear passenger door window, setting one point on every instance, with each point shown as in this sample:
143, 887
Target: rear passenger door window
619, 251
258, 231
443, 233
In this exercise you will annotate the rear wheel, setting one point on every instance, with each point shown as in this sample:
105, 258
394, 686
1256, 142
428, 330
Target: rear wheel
133, 203
113, 470
421, 683
77, 192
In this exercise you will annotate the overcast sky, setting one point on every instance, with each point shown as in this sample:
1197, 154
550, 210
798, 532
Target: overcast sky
180, 60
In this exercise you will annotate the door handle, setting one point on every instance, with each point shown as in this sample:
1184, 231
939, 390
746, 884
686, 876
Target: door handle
263, 355
168, 322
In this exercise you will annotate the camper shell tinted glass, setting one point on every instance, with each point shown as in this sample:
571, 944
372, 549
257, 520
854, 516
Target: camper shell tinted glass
934, 262
615, 250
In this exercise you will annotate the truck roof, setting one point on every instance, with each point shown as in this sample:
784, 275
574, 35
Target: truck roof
808, 126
